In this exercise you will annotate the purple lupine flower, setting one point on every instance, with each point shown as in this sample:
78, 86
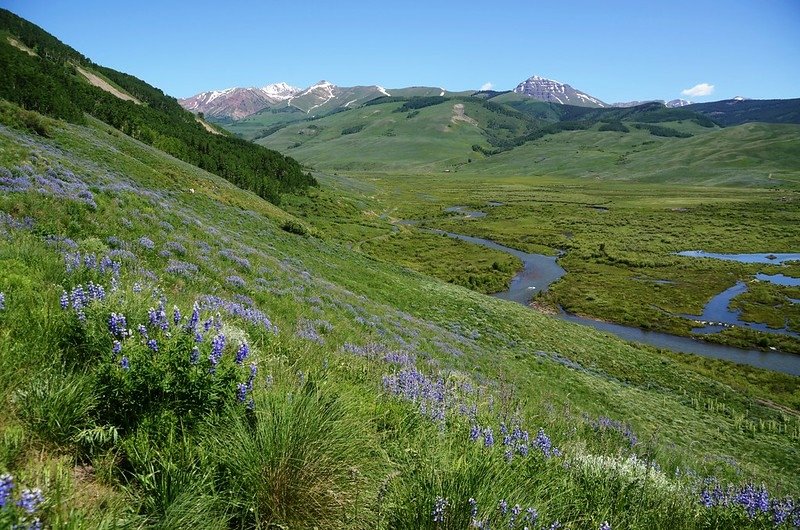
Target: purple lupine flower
125, 363
2, 301
30, 499
438, 509
198, 337
236, 281
147, 243
217, 345
488, 437
531, 515
137, 287
176, 315
6, 485
142, 330
473, 507
194, 357
153, 345
515, 511
241, 392
556, 525
605, 526
117, 325
508, 454
116, 347
474, 433
208, 323
242, 353
253, 372
503, 506
64, 300
194, 318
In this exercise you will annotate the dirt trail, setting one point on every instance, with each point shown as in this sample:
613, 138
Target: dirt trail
105, 85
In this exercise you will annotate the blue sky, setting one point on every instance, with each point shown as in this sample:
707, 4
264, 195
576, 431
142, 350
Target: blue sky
613, 50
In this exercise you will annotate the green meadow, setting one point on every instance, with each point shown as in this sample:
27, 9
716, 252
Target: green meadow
379, 395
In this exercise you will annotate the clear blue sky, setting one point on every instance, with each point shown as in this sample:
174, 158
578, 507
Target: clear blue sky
614, 50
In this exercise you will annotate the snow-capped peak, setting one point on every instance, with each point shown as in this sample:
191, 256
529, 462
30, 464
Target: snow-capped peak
279, 90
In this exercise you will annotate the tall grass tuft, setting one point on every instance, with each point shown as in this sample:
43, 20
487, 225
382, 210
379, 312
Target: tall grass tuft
302, 455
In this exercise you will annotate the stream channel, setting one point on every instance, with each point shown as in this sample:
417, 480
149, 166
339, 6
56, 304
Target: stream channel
539, 271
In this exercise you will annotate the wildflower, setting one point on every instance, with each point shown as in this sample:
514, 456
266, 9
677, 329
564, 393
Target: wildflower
30, 499
124, 363
2, 301
515, 511
241, 392
488, 437
474, 433
117, 325
194, 357
531, 515
473, 507
153, 345
6, 485
605, 526
438, 510
253, 372
217, 345
194, 318
116, 348
64, 300
242, 354
147, 243
142, 330
176, 315
503, 507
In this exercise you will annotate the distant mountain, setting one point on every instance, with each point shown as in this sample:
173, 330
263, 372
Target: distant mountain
553, 91
238, 103
675, 103
740, 110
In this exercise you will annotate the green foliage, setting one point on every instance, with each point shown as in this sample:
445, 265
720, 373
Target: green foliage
615, 126
354, 129
294, 227
56, 406
420, 102
303, 455
658, 130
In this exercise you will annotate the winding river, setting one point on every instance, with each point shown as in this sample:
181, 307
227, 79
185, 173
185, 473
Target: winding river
540, 271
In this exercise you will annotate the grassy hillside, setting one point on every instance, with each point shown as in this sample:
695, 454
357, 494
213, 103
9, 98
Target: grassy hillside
377, 397
45, 75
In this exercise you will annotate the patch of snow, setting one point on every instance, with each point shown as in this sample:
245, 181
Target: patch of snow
349, 102
382, 91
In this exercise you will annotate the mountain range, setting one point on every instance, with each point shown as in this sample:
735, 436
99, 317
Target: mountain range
323, 97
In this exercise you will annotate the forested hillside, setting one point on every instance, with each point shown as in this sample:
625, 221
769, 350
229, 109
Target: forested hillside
47, 78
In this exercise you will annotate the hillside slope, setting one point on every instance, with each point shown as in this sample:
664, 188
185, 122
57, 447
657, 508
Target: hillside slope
60, 82
385, 366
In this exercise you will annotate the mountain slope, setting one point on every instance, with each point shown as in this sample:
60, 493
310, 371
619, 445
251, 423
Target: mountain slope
737, 111
238, 103
54, 82
545, 89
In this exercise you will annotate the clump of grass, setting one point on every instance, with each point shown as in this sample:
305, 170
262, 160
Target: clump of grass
302, 455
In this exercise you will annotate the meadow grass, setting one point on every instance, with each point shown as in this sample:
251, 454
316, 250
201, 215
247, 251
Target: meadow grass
176, 359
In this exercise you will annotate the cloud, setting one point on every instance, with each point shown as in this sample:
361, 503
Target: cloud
487, 86
703, 89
